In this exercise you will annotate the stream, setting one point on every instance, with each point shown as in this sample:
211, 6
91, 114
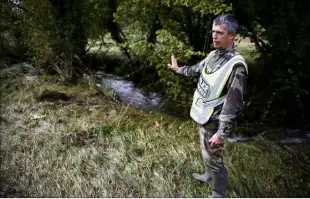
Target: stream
136, 97
129, 94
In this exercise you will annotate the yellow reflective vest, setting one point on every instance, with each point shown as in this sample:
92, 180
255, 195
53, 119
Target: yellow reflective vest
210, 87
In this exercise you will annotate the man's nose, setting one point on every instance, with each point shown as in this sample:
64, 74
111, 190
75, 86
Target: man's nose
214, 36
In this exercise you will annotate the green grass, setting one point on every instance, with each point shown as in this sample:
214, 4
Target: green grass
103, 149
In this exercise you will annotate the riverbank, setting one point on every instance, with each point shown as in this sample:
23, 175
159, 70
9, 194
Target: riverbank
91, 146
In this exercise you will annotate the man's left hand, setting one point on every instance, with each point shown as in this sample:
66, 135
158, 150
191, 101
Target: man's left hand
215, 141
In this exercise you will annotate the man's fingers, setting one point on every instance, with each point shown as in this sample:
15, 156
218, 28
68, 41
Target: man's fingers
173, 66
173, 59
212, 144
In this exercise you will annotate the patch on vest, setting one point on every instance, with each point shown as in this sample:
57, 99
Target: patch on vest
203, 87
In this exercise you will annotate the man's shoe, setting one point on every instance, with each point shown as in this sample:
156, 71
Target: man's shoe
219, 183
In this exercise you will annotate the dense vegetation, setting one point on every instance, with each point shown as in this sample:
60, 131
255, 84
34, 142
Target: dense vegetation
55, 35
90, 146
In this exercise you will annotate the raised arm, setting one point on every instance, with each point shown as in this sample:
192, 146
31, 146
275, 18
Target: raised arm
194, 70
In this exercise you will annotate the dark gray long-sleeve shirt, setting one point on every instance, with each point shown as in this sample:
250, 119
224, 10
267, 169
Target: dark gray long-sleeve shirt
235, 88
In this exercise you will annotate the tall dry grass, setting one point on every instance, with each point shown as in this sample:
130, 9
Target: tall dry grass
104, 149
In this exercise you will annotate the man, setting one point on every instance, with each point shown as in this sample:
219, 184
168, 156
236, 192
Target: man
218, 99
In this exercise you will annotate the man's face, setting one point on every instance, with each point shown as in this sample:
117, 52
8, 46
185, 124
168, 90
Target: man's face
222, 39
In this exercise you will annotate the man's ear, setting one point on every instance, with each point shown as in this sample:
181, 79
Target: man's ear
232, 35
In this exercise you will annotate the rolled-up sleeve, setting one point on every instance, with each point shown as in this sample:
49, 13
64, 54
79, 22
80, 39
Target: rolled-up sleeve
194, 70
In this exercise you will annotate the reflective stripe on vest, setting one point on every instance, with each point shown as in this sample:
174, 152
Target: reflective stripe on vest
209, 89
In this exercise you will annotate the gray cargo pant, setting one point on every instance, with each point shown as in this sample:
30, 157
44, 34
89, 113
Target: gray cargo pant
213, 160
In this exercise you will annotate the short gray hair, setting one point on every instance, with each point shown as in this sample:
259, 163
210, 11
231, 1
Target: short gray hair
227, 19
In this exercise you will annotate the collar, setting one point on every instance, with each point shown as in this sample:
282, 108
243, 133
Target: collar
224, 51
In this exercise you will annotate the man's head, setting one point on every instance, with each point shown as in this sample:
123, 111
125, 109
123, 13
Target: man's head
224, 31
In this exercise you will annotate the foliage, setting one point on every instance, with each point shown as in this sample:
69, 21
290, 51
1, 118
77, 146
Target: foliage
157, 29
57, 33
51, 31
280, 32
177, 87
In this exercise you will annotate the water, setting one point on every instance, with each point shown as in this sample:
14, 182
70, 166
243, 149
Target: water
129, 94
238, 139
292, 140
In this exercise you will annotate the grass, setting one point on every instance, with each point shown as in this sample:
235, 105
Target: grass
103, 149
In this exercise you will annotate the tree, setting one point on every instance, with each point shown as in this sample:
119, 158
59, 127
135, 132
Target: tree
280, 31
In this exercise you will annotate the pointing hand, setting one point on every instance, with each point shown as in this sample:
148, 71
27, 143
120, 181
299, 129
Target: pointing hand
174, 65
